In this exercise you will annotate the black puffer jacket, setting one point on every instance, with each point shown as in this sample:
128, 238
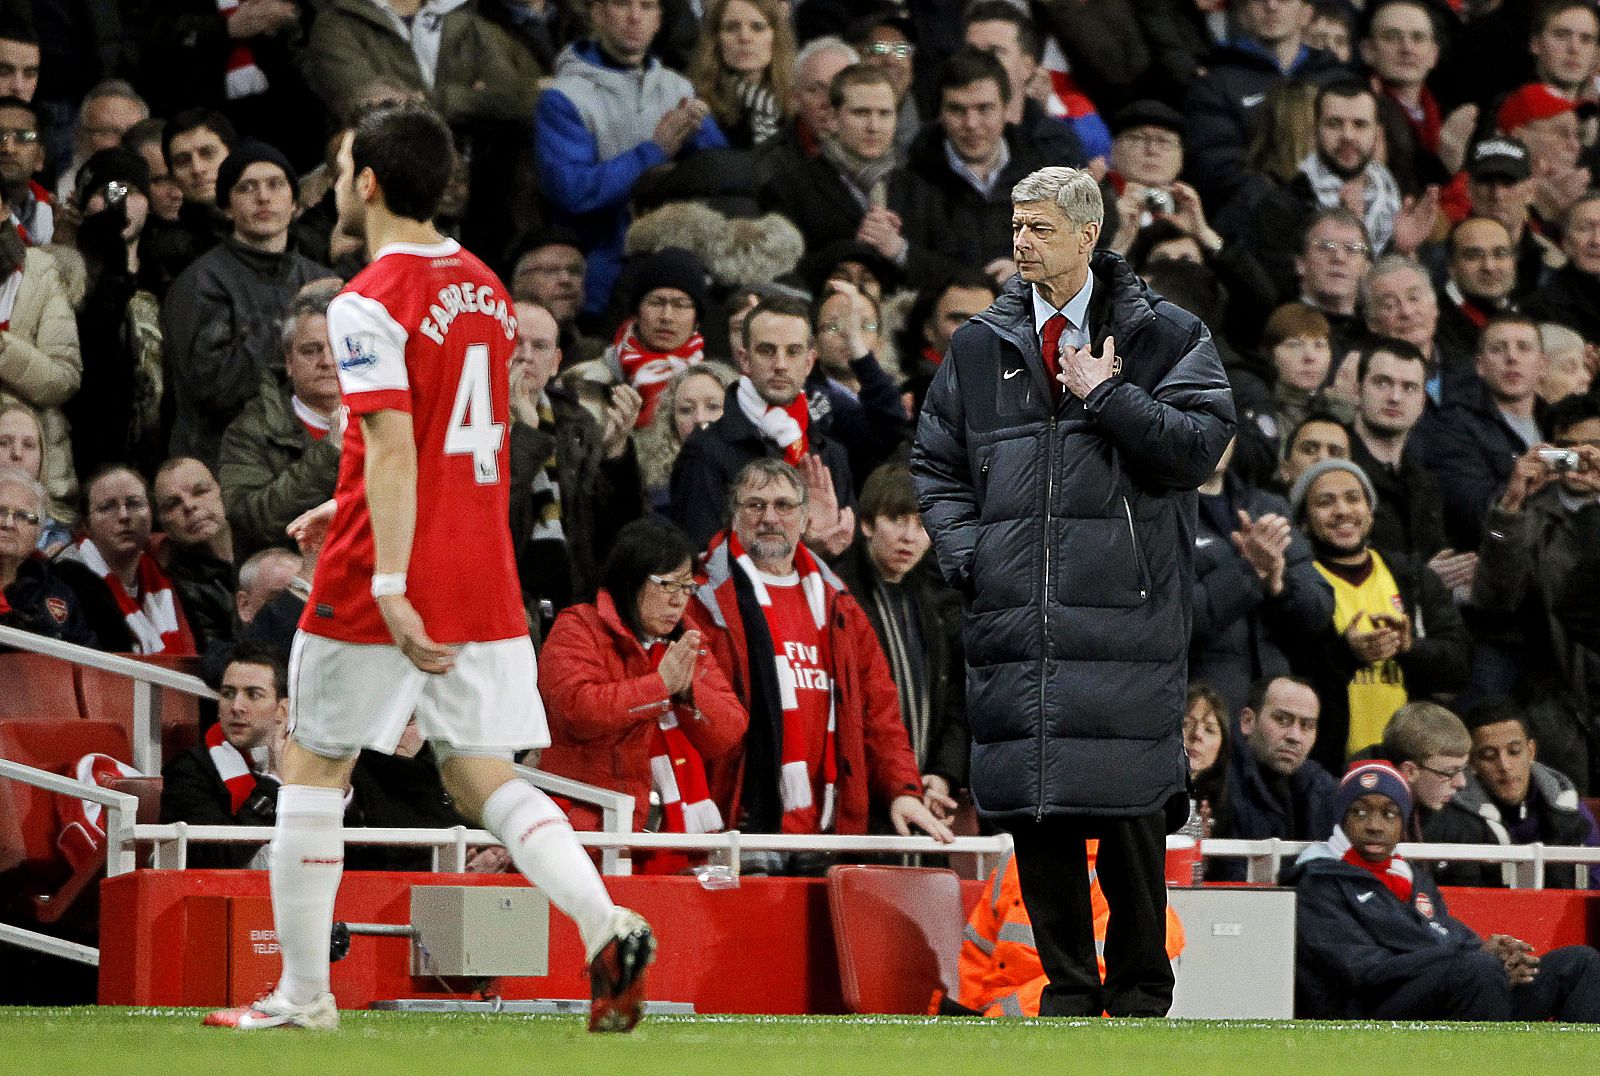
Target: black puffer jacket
1071, 533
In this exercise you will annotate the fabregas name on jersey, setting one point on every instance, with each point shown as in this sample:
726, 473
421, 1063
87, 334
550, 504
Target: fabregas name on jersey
467, 297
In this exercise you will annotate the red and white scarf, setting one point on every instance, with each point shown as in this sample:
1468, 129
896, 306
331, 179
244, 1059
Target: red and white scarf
650, 371
156, 621
1394, 872
244, 78
83, 835
677, 772
231, 766
787, 427
795, 779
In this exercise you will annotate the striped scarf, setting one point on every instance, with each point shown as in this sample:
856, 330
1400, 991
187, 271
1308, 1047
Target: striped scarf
914, 703
546, 486
795, 779
759, 105
156, 620
231, 766
787, 427
244, 78
648, 371
677, 772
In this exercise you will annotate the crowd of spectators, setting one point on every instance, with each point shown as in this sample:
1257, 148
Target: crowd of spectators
740, 234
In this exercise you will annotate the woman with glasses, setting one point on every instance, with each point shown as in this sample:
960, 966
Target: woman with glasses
23, 445
744, 69
635, 701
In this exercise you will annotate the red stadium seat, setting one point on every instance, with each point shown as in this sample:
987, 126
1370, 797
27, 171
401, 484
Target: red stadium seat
29, 818
898, 934
107, 696
37, 687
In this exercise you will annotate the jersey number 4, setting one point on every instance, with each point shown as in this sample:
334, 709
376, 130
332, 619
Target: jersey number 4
473, 430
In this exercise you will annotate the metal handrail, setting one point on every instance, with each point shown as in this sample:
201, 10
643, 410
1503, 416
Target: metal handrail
145, 676
616, 810
1266, 856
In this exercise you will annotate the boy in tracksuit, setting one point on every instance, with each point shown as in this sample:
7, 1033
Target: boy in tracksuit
1376, 941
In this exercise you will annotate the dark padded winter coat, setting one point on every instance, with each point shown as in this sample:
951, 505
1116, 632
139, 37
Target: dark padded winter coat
1070, 531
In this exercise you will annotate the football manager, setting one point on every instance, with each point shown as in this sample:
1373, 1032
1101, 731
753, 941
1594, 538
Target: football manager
1056, 461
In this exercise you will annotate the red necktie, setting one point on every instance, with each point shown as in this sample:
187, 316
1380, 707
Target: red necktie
1050, 348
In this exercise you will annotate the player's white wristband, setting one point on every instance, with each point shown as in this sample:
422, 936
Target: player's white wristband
392, 583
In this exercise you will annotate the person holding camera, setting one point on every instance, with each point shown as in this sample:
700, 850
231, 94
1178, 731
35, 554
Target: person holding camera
1146, 161
1537, 537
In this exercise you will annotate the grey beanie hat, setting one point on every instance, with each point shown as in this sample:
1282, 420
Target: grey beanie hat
1302, 485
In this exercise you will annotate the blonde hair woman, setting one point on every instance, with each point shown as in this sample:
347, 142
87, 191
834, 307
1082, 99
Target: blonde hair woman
744, 69
690, 401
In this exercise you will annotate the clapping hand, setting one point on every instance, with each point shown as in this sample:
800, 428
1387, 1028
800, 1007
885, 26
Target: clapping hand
1263, 543
880, 230
678, 663
1375, 645
622, 411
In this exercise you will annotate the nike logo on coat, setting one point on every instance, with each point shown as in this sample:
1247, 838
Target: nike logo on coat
1252, 100
1363, 898
1009, 374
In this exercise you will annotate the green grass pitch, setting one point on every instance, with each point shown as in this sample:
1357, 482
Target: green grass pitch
167, 1042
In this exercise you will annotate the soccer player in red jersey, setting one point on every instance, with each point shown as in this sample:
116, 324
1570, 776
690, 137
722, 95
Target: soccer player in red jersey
415, 607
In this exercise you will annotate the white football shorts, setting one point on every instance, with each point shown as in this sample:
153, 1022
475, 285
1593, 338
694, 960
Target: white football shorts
347, 696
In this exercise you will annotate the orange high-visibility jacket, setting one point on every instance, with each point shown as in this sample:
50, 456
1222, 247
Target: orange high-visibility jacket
1000, 970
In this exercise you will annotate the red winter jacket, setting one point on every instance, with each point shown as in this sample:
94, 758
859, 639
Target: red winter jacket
876, 762
602, 698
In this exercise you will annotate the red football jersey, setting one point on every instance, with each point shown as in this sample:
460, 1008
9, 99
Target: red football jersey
428, 330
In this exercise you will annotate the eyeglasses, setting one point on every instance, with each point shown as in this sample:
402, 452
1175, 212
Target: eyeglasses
1388, 814
18, 134
131, 505
900, 50
673, 586
271, 184
1444, 775
1396, 36
755, 507
658, 302
1153, 141
19, 516
1328, 246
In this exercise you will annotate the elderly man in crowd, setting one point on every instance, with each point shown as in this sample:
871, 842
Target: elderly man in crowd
1079, 575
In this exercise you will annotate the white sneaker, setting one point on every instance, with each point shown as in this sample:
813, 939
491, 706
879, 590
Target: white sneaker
273, 1011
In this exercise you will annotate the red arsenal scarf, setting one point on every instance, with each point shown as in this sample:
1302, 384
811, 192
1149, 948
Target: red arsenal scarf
677, 772
156, 621
244, 78
650, 371
232, 767
795, 779
1394, 872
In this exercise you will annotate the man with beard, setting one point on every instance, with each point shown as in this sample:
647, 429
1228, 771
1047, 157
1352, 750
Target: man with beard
1395, 634
1342, 170
188, 504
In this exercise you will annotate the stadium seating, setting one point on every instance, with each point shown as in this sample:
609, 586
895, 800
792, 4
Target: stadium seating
31, 863
36, 687
898, 935
104, 696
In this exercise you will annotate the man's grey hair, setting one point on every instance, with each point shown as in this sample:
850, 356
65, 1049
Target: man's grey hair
1073, 190
762, 473
253, 565
313, 299
113, 87
817, 46
16, 476
1387, 266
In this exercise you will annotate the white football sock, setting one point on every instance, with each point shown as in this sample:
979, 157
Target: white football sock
542, 846
306, 861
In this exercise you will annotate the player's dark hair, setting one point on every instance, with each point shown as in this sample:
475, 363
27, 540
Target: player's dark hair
643, 548
255, 652
411, 153
192, 119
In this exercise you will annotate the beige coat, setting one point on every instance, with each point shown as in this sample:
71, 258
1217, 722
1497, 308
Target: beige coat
40, 365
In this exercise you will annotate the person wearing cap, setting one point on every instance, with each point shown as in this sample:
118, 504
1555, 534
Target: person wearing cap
550, 271
961, 169
220, 318
1146, 161
1374, 938
612, 113
1546, 121
1395, 634
116, 414
658, 340
1499, 185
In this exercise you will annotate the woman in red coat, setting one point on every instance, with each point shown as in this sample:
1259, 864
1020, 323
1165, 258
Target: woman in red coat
634, 700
